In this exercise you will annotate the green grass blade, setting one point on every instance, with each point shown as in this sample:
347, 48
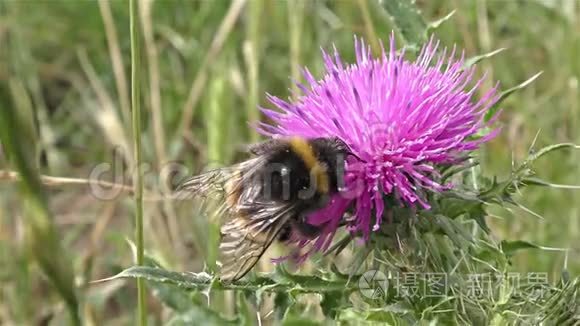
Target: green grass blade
136, 117
17, 135
252, 51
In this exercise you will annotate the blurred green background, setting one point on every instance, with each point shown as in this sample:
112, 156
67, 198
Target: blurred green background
206, 67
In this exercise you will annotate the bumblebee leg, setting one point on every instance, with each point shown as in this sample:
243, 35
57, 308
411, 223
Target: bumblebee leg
306, 230
285, 233
310, 231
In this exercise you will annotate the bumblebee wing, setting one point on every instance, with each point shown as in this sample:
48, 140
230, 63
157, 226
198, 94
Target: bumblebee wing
208, 184
245, 238
220, 182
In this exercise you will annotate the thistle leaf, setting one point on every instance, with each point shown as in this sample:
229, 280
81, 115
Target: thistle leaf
510, 247
201, 315
505, 94
435, 24
536, 155
270, 282
244, 312
408, 20
476, 59
300, 321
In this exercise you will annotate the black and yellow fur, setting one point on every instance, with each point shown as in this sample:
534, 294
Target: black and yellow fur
268, 196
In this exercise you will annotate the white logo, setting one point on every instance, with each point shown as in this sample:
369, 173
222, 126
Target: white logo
373, 284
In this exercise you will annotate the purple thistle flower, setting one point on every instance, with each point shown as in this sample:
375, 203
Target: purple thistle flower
400, 118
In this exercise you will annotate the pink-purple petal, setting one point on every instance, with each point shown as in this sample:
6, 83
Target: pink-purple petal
401, 118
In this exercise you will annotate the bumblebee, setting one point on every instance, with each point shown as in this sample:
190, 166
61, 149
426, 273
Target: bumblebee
268, 196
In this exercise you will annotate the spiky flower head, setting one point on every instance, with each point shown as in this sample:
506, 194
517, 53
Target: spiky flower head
401, 119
